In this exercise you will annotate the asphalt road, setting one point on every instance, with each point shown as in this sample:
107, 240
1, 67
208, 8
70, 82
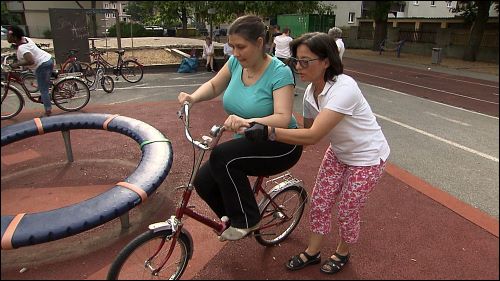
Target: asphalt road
434, 125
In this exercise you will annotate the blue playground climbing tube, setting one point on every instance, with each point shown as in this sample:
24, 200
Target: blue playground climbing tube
157, 157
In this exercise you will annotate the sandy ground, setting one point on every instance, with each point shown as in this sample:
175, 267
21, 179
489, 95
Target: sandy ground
151, 51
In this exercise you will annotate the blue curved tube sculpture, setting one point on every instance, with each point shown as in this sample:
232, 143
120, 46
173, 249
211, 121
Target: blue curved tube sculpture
157, 157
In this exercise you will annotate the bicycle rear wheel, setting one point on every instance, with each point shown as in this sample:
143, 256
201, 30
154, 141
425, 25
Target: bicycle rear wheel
89, 73
280, 216
132, 71
107, 83
134, 262
70, 94
12, 102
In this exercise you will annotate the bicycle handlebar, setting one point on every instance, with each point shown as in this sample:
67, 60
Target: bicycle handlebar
216, 131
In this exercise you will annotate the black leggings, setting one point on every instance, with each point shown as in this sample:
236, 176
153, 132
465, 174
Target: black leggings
223, 181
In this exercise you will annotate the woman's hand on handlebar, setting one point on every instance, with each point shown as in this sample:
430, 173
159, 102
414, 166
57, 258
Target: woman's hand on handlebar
185, 97
237, 124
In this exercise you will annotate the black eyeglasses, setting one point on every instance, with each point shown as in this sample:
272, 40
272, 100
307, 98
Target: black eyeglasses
303, 62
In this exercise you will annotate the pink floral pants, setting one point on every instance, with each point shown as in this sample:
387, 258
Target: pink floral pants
350, 186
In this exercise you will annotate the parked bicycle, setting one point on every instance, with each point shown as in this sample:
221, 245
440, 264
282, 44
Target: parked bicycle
107, 83
163, 251
68, 92
131, 70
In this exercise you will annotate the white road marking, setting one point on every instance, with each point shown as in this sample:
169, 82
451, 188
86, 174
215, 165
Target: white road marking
484, 155
447, 119
428, 88
401, 93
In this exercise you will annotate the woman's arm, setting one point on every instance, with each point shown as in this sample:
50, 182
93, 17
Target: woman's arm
283, 105
209, 90
322, 125
27, 59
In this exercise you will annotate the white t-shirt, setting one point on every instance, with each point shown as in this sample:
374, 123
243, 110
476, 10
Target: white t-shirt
228, 50
39, 55
357, 140
208, 50
340, 46
282, 46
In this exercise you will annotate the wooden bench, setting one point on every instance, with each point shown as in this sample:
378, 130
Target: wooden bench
396, 46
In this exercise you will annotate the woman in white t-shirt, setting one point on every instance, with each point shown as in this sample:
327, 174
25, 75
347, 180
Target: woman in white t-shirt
208, 53
281, 45
30, 55
353, 163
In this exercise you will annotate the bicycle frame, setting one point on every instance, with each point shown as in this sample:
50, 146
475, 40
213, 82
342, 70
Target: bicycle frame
97, 56
174, 223
16, 78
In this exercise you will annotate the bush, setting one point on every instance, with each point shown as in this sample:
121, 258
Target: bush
47, 34
137, 30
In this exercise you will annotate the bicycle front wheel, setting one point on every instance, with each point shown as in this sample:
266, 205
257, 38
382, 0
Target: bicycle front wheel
137, 261
30, 82
70, 94
280, 216
12, 102
132, 71
107, 84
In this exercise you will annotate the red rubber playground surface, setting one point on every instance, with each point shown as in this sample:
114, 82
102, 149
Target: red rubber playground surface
410, 229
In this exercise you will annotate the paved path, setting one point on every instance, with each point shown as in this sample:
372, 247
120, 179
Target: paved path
410, 229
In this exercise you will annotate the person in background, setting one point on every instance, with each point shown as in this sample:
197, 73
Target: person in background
257, 88
276, 32
228, 51
281, 45
355, 159
208, 53
39, 61
336, 33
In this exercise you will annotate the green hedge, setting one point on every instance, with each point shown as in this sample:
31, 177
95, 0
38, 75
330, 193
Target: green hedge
137, 31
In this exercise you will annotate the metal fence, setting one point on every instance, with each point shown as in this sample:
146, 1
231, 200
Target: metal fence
418, 36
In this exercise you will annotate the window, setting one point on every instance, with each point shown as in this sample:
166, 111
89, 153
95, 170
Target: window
448, 4
351, 17
106, 5
415, 3
433, 3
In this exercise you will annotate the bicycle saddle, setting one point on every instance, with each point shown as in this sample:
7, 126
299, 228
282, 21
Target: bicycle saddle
120, 51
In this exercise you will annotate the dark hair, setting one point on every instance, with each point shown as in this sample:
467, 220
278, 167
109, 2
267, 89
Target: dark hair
17, 32
286, 30
323, 46
249, 27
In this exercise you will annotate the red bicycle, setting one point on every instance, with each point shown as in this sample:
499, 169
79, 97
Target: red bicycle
163, 251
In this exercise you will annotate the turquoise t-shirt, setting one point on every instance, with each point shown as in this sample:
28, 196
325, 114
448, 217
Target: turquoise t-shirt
256, 101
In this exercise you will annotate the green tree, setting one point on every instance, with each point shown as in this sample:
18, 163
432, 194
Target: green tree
476, 12
9, 18
379, 11
171, 12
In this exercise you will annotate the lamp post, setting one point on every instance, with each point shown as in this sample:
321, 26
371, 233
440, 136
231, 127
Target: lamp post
211, 12
106, 34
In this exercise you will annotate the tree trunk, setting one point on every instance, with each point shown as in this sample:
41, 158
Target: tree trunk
93, 20
477, 31
380, 34
184, 18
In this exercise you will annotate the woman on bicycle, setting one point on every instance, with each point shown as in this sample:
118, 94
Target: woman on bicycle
30, 55
257, 88
353, 163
